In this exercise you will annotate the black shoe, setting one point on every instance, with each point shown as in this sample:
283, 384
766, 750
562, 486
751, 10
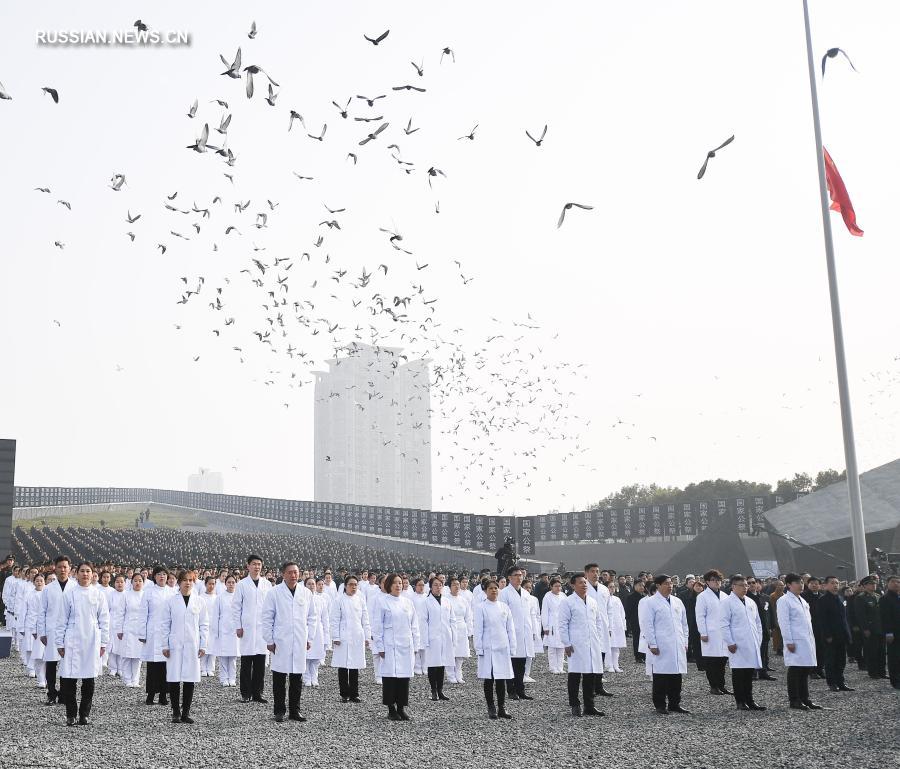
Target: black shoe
150, 698
713, 690
525, 697
345, 699
392, 713
261, 700
245, 699
355, 699
512, 696
723, 690
743, 706
592, 711
50, 701
816, 675
603, 693
662, 711
766, 677
279, 717
503, 714
176, 718
295, 716
163, 701
70, 722
753, 706
834, 688
845, 688
442, 696
576, 711
492, 712
402, 714
187, 720
813, 706
679, 709
434, 696
798, 706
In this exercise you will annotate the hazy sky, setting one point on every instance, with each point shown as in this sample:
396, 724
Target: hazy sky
698, 308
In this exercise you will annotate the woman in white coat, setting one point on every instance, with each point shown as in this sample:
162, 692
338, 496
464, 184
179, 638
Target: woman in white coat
33, 645
288, 623
742, 632
115, 599
129, 623
183, 636
617, 640
664, 633
581, 629
461, 610
395, 637
549, 622
419, 595
536, 631
224, 641
350, 633
81, 640
208, 594
318, 641
708, 613
436, 629
156, 593
795, 624
494, 638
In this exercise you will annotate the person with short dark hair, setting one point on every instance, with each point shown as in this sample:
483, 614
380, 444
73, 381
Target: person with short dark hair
246, 607
395, 635
494, 639
889, 605
742, 635
868, 615
436, 629
795, 623
155, 595
664, 633
580, 629
517, 600
835, 634
632, 617
350, 633
183, 636
48, 620
712, 647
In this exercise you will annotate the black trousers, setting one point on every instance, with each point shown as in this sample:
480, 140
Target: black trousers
666, 688
156, 679
798, 684
52, 691
820, 653
856, 649
835, 661
395, 691
181, 706
348, 682
873, 649
598, 677
436, 678
635, 640
253, 675
295, 690
67, 693
491, 684
893, 662
516, 684
587, 682
764, 649
715, 671
742, 684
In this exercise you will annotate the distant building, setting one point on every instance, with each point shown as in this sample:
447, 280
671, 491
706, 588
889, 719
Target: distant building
207, 481
373, 429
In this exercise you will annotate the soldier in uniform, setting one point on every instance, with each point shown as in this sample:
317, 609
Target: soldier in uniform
890, 624
868, 616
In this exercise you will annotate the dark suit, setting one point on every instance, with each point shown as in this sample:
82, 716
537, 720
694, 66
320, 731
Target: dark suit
836, 636
868, 615
630, 603
813, 600
889, 605
765, 619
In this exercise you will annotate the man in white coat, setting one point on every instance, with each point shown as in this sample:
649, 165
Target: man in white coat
712, 646
289, 622
600, 593
742, 633
581, 631
81, 639
246, 609
663, 623
517, 600
49, 618
795, 624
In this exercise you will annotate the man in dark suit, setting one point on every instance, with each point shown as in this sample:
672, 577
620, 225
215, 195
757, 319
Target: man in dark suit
755, 594
835, 632
811, 595
868, 615
632, 623
889, 605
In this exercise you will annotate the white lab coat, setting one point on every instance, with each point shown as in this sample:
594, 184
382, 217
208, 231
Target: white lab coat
709, 623
321, 638
289, 622
469, 597
83, 631
130, 619
9, 586
418, 601
331, 589
184, 631
24, 590
664, 627
616, 623
795, 623
155, 597
462, 621
29, 625
494, 639
520, 608
550, 619
224, 641
395, 631
247, 608
115, 601
741, 625
350, 626
437, 632
51, 615
601, 595
538, 641
581, 627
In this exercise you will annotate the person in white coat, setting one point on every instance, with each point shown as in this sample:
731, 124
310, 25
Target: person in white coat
49, 619
581, 630
550, 627
115, 600
494, 638
520, 607
395, 637
461, 610
9, 586
289, 622
617, 640
536, 631
418, 598
222, 628
249, 597
81, 640
184, 634
208, 594
436, 628
23, 591
795, 624
600, 593
350, 634
319, 639
664, 630
156, 593
129, 624
712, 646
33, 645
742, 633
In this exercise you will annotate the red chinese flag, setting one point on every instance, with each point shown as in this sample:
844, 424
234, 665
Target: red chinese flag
840, 200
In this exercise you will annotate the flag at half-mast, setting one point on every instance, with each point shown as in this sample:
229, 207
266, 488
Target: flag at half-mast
840, 200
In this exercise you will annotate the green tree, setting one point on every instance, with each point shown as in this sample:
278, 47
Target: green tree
827, 477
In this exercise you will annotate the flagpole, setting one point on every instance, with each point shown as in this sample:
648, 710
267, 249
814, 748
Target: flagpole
857, 528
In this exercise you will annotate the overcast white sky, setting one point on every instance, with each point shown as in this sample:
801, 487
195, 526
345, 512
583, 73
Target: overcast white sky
699, 308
